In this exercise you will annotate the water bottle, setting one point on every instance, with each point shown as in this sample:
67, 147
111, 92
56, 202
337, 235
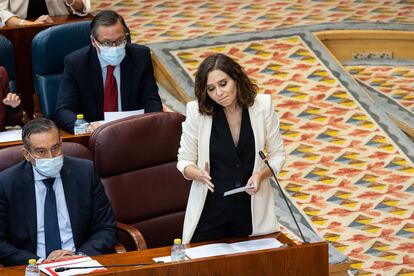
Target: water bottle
32, 269
81, 125
177, 251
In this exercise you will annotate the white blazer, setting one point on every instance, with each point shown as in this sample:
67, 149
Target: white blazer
10, 8
194, 149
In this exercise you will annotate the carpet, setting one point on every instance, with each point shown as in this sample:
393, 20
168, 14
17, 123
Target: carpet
165, 20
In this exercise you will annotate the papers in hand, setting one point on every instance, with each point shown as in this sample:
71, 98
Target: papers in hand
216, 249
237, 190
49, 268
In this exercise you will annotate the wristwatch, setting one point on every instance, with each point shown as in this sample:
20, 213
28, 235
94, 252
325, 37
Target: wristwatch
69, 3
80, 254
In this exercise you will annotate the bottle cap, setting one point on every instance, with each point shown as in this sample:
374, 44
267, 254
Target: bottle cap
32, 261
79, 116
177, 241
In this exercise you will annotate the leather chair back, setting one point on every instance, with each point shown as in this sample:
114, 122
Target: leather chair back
7, 60
136, 158
12, 155
49, 48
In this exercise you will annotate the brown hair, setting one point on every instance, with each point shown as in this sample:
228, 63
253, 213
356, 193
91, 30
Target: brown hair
246, 89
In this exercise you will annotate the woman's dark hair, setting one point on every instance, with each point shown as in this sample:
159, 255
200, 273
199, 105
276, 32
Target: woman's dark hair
246, 89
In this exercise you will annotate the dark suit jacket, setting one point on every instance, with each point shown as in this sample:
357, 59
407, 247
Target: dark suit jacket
8, 115
81, 88
90, 212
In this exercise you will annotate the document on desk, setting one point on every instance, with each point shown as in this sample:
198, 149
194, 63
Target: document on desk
237, 190
112, 116
217, 249
10, 135
84, 261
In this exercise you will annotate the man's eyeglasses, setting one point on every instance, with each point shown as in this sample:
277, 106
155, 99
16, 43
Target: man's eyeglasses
44, 153
107, 43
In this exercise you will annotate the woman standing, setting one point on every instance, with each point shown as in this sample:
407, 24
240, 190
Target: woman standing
222, 134
28, 12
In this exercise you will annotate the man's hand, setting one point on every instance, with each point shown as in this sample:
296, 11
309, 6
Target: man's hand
12, 100
60, 254
92, 126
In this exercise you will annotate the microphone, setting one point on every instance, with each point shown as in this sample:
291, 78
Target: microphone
263, 156
61, 269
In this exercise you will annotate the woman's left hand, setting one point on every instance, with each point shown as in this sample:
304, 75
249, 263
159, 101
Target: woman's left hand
12, 100
254, 183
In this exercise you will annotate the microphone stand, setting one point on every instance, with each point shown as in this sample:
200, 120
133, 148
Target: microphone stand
263, 156
61, 269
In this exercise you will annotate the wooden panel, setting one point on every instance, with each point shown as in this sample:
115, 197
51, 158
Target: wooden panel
66, 137
342, 43
308, 259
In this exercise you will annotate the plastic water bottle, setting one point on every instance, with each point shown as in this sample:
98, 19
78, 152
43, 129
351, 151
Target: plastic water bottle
32, 269
81, 125
177, 251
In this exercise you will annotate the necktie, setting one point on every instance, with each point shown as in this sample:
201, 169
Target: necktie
52, 234
111, 90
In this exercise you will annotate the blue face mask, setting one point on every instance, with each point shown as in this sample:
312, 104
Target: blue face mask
49, 167
112, 55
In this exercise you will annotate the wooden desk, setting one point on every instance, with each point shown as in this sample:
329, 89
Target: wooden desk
308, 259
66, 137
21, 38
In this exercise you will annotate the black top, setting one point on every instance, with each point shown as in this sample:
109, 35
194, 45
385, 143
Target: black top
230, 167
36, 8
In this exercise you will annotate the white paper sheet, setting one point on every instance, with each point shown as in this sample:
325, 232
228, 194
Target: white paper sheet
10, 135
112, 116
216, 249
49, 268
237, 190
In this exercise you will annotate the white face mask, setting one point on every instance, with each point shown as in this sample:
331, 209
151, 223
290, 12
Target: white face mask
49, 167
112, 55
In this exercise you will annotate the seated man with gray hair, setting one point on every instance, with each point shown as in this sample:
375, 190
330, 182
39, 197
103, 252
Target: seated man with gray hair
52, 206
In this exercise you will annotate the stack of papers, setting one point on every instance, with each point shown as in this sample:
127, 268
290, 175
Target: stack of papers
216, 249
83, 261
113, 116
10, 135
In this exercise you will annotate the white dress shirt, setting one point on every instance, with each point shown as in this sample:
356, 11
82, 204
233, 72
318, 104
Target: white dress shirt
65, 227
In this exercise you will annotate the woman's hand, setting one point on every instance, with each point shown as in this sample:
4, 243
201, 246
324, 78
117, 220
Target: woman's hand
43, 19
254, 183
204, 176
201, 175
12, 100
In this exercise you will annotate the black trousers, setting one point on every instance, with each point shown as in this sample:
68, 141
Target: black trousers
224, 217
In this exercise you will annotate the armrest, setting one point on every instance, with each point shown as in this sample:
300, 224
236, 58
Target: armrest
134, 233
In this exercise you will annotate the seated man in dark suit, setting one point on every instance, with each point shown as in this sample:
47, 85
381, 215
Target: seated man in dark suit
52, 206
11, 112
108, 75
